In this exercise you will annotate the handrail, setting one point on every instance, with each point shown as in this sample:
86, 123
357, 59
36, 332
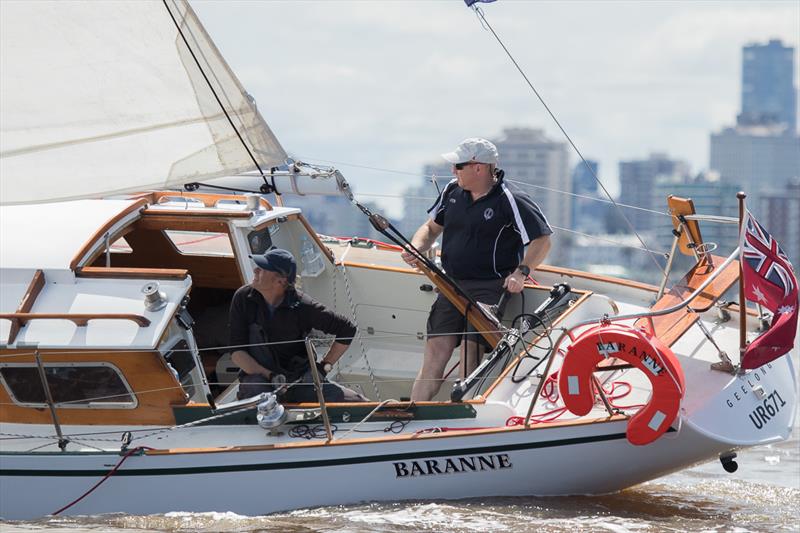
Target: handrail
80, 319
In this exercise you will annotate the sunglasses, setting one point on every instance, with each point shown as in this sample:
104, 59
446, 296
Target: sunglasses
462, 166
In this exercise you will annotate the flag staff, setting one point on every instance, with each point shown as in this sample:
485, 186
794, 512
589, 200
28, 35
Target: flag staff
742, 302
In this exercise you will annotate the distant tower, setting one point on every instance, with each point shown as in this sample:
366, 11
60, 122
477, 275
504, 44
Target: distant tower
540, 167
637, 180
768, 92
586, 213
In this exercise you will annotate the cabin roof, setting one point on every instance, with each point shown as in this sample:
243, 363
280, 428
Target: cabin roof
48, 236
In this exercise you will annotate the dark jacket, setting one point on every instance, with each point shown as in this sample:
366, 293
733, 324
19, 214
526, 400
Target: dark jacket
253, 322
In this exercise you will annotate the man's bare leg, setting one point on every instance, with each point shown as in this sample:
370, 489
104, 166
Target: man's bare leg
438, 351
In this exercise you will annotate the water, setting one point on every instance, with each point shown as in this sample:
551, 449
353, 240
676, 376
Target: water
763, 495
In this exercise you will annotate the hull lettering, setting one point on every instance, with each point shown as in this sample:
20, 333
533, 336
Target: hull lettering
435, 467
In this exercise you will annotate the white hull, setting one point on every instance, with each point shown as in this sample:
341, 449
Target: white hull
552, 461
591, 457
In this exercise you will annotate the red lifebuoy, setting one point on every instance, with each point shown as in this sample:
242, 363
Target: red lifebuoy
642, 350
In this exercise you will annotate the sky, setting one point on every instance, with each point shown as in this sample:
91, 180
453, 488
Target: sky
392, 84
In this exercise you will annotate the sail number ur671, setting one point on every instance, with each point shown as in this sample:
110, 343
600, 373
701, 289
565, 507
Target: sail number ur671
762, 414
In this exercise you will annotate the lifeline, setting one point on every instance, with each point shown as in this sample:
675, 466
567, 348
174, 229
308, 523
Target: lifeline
475, 463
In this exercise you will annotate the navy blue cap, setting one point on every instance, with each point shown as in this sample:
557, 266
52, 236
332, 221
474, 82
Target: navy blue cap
277, 260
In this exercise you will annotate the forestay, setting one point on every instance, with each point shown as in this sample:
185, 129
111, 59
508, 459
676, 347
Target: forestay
104, 97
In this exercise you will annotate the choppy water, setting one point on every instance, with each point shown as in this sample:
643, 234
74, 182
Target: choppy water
763, 495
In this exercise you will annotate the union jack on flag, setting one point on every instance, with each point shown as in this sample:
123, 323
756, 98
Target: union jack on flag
764, 256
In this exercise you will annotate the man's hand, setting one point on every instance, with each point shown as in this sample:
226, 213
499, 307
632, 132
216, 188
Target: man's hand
410, 257
515, 282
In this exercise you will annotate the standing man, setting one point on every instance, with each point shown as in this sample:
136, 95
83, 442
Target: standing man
485, 226
269, 321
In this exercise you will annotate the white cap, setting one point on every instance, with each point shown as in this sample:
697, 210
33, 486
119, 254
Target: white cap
473, 149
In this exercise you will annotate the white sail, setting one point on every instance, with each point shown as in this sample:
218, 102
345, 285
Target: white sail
120, 106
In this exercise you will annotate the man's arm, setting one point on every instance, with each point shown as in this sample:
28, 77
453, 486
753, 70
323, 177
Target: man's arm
423, 239
335, 353
534, 255
246, 362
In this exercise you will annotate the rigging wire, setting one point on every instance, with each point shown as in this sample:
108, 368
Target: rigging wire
482, 18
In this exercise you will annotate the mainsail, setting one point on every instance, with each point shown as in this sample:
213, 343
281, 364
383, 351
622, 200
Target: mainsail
99, 98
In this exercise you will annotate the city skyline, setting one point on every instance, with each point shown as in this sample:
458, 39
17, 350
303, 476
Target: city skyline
391, 85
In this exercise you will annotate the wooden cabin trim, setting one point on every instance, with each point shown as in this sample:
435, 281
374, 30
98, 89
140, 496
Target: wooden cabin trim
208, 199
197, 213
162, 221
146, 372
105, 228
79, 319
597, 277
214, 271
449, 434
131, 273
544, 268
26, 304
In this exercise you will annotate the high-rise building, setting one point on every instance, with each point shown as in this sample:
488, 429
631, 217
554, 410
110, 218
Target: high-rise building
637, 179
540, 166
759, 158
588, 214
779, 212
768, 92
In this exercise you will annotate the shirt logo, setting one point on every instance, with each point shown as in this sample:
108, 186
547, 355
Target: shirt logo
489, 213
452, 200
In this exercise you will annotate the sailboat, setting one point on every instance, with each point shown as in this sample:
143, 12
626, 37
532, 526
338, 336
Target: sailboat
117, 391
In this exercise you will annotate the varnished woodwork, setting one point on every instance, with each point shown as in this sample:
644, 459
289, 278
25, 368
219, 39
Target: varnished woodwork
146, 372
105, 228
681, 207
151, 247
208, 199
198, 214
669, 328
453, 433
79, 319
131, 273
596, 277
163, 221
26, 304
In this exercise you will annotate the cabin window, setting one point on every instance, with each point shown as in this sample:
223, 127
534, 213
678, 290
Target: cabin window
75, 385
205, 243
261, 240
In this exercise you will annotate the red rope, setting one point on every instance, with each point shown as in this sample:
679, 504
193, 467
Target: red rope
550, 394
110, 473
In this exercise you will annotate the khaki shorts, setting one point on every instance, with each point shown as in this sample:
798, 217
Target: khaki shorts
445, 319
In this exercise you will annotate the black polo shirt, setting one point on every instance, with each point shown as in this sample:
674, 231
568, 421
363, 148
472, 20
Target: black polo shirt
486, 239
291, 320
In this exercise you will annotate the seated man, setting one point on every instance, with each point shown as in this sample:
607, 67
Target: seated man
269, 321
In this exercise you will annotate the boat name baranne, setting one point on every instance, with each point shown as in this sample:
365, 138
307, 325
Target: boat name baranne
457, 465
610, 348
750, 379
